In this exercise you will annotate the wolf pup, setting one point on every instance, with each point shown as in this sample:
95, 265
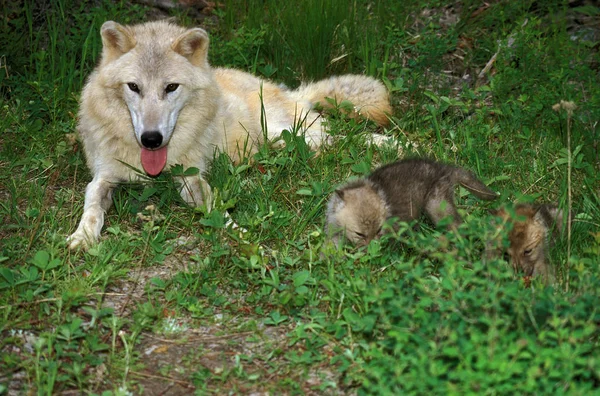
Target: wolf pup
533, 227
402, 189
153, 101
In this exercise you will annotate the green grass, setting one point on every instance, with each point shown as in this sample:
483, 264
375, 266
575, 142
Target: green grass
171, 299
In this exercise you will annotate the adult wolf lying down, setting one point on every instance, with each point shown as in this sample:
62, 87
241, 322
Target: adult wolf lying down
154, 101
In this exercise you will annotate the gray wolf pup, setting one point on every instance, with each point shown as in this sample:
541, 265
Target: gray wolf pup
403, 189
154, 101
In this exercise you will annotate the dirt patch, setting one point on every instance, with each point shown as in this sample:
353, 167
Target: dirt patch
224, 352
204, 355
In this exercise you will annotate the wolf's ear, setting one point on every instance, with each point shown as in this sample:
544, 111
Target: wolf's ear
336, 202
496, 212
193, 44
116, 40
500, 215
542, 216
553, 217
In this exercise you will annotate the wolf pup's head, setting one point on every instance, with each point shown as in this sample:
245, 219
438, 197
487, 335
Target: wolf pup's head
356, 211
532, 229
154, 68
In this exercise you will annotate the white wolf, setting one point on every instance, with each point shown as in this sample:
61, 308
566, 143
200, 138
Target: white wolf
154, 101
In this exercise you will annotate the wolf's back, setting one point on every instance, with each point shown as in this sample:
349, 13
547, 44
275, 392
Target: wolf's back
369, 96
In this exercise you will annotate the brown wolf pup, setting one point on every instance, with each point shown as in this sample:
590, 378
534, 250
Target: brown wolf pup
533, 227
403, 189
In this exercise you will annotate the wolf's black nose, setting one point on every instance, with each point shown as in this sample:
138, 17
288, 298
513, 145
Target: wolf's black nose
151, 139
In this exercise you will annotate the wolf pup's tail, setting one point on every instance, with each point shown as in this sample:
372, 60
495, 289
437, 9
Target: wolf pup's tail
369, 97
469, 181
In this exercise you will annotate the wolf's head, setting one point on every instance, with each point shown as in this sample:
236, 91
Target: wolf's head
532, 228
357, 210
157, 69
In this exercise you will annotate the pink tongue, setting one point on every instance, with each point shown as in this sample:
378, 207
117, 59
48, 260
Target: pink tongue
154, 161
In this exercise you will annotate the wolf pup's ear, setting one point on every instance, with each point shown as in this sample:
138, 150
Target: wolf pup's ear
334, 205
116, 40
336, 202
554, 218
193, 44
496, 212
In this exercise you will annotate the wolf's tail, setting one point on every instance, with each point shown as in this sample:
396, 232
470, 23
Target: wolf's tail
469, 181
369, 97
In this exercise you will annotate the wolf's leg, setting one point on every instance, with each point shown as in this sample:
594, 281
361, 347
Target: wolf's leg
316, 138
440, 204
309, 123
196, 191
98, 195
315, 133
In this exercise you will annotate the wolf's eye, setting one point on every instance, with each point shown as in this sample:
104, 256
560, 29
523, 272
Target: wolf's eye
361, 235
134, 87
171, 87
527, 252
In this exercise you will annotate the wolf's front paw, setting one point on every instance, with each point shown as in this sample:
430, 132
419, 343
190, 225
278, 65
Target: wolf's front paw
79, 240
